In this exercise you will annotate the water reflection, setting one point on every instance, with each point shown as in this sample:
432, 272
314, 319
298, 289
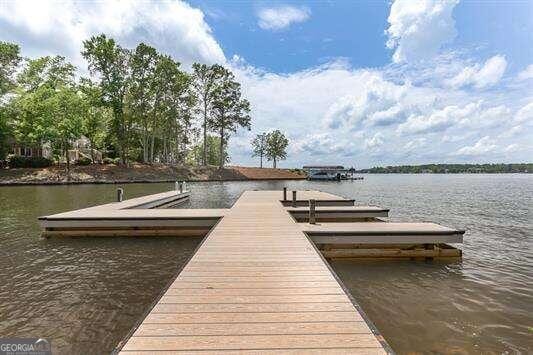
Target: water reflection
85, 294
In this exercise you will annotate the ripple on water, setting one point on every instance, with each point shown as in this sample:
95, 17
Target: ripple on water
86, 294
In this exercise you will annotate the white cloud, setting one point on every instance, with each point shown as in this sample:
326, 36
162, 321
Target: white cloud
526, 74
376, 102
472, 116
333, 112
480, 76
415, 144
375, 142
280, 17
511, 148
525, 114
418, 29
483, 146
318, 144
52, 27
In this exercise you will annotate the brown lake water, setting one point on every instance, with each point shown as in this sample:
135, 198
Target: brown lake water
86, 294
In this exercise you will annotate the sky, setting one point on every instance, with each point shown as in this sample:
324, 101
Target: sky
357, 83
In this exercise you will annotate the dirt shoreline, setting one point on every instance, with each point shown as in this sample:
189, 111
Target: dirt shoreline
140, 173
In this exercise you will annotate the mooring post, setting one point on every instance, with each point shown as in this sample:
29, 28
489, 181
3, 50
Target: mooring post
294, 198
284, 194
120, 194
176, 187
180, 187
312, 217
185, 186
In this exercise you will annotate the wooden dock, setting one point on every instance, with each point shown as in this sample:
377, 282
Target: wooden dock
256, 285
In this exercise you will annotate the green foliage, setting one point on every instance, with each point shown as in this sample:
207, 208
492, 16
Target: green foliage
451, 169
111, 160
110, 62
195, 156
141, 106
9, 60
276, 147
205, 81
84, 161
47, 71
16, 161
229, 110
5, 129
96, 116
259, 147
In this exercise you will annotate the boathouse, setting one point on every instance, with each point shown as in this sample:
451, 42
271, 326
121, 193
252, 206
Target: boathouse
327, 172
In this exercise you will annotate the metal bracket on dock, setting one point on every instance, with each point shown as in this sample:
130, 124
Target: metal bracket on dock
312, 214
120, 194
181, 186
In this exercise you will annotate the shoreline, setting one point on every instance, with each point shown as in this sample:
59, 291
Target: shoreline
140, 173
104, 182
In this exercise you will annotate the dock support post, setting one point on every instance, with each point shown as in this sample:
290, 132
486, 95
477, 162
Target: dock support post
294, 198
120, 194
312, 216
185, 186
284, 194
180, 187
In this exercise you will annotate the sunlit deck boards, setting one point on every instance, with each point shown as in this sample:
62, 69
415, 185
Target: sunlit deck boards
338, 213
134, 217
382, 232
256, 285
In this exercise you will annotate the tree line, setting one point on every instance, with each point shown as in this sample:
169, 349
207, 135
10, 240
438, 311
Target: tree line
138, 105
451, 169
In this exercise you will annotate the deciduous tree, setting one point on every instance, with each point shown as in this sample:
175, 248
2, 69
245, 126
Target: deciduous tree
110, 62
230, 111
95, 117
259, 147
205, 83
276, 147
141, 96
9, 61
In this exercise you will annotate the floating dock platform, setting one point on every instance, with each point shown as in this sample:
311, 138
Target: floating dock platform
258, 283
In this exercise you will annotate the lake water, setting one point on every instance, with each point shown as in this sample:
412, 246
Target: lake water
86, 294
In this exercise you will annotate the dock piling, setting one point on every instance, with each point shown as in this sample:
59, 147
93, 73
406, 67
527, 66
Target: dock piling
284, 194
312, 216
294, 198
120, 194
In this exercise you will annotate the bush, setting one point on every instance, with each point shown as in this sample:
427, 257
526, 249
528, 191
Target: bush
111, 160
84, 161
17, 161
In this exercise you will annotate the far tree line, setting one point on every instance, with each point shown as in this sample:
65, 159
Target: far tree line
138, 105
452, 169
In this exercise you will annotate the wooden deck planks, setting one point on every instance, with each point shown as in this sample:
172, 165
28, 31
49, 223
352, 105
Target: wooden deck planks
255, 285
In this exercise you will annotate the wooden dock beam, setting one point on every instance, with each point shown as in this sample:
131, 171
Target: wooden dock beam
258, 283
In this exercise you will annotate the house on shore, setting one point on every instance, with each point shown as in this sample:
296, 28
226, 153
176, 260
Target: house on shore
81, 148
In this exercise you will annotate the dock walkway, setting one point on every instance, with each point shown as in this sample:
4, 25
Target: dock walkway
256, 285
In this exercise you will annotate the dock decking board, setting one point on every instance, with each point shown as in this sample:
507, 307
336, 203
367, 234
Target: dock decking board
256, 285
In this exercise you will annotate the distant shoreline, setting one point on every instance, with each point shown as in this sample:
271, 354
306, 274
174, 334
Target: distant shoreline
140, 173
501, 168
458, 173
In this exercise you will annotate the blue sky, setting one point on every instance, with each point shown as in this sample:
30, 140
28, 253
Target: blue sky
359, 83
